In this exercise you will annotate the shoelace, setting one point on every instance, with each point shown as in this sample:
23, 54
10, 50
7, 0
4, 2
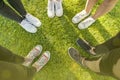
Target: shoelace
79, 15
42, 61
33, 53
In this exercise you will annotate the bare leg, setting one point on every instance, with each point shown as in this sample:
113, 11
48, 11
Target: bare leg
93, 64
89, 5
104, 8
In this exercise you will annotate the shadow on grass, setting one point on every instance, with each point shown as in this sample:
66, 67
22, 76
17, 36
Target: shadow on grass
73, 34
104, 33
56, 68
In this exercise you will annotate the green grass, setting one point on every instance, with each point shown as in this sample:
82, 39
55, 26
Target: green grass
57, 35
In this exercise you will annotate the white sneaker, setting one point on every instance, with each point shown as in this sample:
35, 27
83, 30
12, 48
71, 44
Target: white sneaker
79, 16
28, 27
50, 9
33, 20
86, 23
58, 8
32, 55
42, 60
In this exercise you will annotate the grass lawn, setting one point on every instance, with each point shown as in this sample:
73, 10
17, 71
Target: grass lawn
57, 35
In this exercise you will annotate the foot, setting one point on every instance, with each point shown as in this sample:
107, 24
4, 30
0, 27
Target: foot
33, 20
74, 54
86, 23
79, 16
32, 55
28, 26
85, 45
42, 61
58, 8
50, 9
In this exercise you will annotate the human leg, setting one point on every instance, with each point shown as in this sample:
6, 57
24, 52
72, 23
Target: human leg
108, 45
89, 5
105, 47
8, 56
18, 6
92, 63
110, 63
104, 8
107, 64
84, 13
11, 71
6, 11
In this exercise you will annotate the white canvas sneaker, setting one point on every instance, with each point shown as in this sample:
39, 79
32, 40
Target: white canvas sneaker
50, 9
33, 20
42, 60
28, 27
32, 55
58, 8
86, 23
79, 16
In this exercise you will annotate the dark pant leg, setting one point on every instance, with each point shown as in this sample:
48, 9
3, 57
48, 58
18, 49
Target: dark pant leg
110, 63
6, 11
105, 63
108, 45
8, 56
18, 6
11, 71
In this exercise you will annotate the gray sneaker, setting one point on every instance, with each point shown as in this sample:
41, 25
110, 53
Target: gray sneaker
74, 54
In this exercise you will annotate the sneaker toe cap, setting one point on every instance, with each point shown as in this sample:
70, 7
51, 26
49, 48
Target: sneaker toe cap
33, 30
59, 13
74, 20
47, 54
39, 47
81, 26
50, 15
38, 24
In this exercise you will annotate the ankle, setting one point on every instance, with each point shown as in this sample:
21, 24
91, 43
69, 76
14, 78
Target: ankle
83, 62
87, 11
92, 51
94, 17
